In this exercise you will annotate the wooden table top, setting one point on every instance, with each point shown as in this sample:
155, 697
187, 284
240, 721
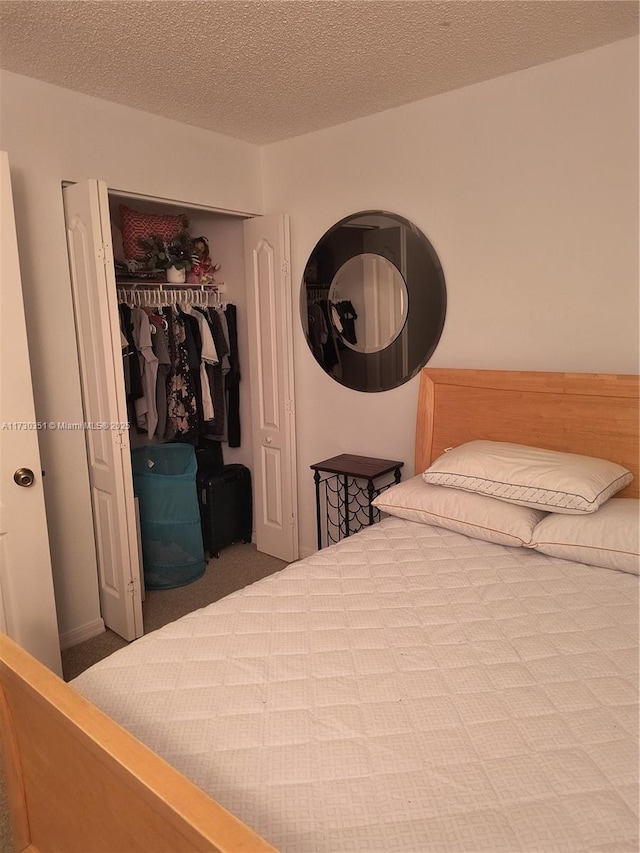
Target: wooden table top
367, 467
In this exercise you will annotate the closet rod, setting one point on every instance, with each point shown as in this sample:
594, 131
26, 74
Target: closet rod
138, 284
170, 296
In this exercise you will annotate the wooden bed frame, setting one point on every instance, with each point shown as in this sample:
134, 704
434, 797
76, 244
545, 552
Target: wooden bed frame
78, 783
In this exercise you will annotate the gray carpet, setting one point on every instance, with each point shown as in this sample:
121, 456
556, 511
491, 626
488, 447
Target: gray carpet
238, 566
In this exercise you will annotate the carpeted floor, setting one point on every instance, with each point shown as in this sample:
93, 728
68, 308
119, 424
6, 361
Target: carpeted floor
238, 566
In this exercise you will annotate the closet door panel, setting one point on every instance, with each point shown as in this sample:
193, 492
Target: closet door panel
269, 323
100, 355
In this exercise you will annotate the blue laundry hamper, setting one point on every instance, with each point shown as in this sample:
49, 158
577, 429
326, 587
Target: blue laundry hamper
164, 480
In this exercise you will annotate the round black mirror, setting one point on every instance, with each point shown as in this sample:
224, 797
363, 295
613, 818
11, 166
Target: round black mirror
373, 301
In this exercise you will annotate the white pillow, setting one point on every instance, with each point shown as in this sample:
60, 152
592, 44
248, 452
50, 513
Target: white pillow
474, 515
609, 537
529, 476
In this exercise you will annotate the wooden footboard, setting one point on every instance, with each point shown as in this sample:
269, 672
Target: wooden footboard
77, 782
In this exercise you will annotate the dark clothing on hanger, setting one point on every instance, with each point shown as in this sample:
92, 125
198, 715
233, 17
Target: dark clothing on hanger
318, 332
348, 317
161, 350
220, 371
181, 400
133, 364
330, 355
167, 314
194, 350
216, 428
232, 380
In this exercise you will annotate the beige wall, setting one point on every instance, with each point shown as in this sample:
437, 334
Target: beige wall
527, 187
54, 135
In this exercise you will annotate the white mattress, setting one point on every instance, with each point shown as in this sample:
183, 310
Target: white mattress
409, 689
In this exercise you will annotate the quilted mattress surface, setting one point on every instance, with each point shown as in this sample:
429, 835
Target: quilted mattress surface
409, 689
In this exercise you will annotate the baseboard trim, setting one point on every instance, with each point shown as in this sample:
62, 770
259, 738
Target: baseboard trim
307, 552
82, 633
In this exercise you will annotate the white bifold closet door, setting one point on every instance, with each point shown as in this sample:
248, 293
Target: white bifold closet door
269, 318
27, 604
100, 354
270, 376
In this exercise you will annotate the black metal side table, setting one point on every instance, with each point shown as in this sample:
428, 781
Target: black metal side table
344, 496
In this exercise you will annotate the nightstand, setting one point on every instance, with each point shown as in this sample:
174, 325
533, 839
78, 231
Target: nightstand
346, 485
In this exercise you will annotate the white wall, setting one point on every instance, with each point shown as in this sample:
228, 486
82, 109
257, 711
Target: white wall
527, 187
54, 135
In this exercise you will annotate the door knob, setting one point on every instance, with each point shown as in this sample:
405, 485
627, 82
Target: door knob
24, 477
268, 439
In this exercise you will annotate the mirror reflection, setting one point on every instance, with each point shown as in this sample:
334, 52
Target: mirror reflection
368, 302
373, 301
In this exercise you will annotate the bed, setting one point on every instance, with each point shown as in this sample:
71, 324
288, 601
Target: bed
412, 688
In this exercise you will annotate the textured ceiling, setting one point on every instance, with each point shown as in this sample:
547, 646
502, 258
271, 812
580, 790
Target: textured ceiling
263, 70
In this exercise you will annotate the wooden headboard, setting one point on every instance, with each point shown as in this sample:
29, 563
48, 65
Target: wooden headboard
594, 414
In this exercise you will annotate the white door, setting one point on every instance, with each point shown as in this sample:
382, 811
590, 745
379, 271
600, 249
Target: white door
27, 604
269, 319
98, 332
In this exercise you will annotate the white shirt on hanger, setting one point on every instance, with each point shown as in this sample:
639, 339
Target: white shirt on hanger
145, 406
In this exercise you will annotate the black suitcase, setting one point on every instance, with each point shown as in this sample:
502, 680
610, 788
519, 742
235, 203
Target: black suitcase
225, 506
209, 454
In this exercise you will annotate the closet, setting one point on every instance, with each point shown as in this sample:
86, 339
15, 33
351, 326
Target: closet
254, 275
224, 235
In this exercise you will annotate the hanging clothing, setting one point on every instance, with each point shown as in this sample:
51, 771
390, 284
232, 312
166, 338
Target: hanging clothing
220, 332
330, 357
232, 380
167, 316
224, 359
182, 409
217, 427
133, 380
145, 406
318, 332
161, 350
194, 350
182, 372
208, 355
335, 319
346, 322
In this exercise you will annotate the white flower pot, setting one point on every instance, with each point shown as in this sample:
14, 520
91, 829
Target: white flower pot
175, 276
